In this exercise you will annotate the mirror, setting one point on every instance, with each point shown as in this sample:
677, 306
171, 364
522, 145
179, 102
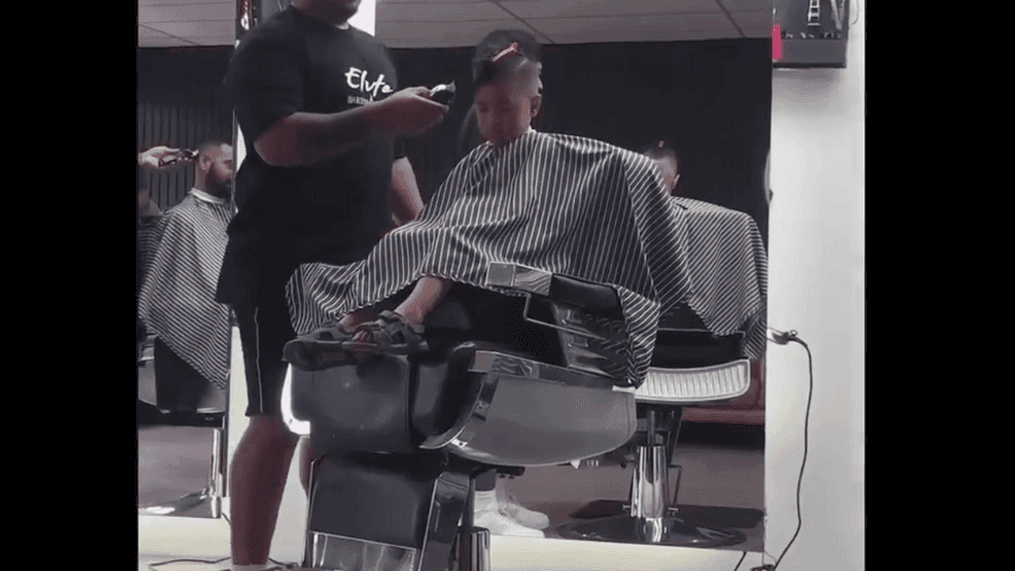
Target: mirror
633, 73
708, 98
184, 349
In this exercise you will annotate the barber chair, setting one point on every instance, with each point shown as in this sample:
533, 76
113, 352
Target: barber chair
210, 414
691, 367
527, 378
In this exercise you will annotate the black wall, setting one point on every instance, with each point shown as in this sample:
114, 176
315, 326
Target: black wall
180, 103
711, 99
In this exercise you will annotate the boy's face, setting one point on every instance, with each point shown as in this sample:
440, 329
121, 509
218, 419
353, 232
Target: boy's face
505, 109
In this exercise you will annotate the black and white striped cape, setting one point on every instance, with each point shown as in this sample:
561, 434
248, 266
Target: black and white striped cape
728, 267
178, 297
560, 203
149, 243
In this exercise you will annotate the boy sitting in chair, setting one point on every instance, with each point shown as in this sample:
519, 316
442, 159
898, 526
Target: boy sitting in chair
559, 203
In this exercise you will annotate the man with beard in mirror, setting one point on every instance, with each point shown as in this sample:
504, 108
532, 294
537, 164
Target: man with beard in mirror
177, 301
318, 104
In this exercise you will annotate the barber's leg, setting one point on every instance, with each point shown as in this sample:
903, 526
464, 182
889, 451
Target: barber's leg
262, 460
259, 470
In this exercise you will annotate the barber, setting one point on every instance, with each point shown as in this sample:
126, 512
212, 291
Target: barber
318, 105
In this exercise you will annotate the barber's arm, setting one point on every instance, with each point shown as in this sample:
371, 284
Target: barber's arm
406, 202
309, 138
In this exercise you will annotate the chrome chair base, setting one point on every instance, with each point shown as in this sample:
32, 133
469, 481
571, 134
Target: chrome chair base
336, 553
203, 504
471, 551
669, 530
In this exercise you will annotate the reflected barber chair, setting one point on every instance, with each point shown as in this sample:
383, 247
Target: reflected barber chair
690, 367
529, 378
184, 405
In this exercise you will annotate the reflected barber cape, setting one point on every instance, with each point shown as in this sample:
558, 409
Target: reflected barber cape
558, 203
177, 301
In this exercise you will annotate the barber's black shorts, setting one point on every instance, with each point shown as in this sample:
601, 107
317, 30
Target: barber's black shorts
264, 331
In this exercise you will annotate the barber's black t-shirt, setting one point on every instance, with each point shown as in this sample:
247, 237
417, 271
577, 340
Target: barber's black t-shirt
333, 212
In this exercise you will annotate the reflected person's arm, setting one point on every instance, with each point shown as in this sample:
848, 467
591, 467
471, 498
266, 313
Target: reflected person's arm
151, 159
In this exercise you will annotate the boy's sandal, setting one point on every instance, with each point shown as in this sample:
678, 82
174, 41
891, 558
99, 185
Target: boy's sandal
320, 349
390, 334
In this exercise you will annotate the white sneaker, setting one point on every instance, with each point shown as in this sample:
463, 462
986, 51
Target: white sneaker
510, 506
500, 524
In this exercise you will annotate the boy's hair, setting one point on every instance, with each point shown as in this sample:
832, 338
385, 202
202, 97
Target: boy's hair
505, 52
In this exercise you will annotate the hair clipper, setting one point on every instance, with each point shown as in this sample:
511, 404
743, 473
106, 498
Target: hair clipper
444, 93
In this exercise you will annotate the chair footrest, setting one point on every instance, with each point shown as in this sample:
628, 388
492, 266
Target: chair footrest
702, 385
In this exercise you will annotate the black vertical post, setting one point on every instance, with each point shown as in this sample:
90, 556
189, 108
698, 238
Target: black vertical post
248, 14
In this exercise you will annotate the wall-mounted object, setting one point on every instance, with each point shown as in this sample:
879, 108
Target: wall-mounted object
813, 33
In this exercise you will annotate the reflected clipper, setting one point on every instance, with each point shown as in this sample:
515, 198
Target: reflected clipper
183, 155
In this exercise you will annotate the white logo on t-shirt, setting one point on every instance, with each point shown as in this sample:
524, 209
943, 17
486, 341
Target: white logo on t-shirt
357, 79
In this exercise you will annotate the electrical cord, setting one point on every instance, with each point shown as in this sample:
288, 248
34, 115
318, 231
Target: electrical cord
171, 561
783, 338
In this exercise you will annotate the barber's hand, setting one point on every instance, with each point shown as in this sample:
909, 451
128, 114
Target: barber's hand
152, 156
410, 112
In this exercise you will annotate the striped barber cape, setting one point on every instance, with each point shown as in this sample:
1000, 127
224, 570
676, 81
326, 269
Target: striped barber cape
178, 297
559, 203
728, 267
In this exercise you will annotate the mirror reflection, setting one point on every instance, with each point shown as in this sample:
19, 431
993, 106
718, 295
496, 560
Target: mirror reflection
692, 474
185, 174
